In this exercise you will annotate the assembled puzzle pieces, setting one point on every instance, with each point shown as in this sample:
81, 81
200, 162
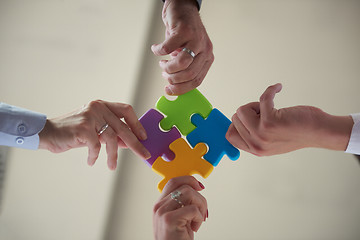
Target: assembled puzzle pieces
187, 161
179, 111
158, 141
212, 131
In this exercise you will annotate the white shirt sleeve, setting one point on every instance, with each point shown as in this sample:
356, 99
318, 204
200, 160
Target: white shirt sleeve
20, 127
354, 143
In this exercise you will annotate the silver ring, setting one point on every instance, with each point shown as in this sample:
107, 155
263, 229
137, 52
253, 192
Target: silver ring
103, 128
175, 196
189, 51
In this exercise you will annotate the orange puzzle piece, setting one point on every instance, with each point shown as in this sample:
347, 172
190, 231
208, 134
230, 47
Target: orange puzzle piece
187, 161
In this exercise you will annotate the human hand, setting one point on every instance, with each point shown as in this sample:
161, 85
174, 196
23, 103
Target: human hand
184, 29
263, 130
81, 128
179, 217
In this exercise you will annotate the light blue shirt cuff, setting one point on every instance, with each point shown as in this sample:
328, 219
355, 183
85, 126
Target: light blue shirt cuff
20, 127
354, 142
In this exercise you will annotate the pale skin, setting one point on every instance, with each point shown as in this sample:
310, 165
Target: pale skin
170, 220
263, 130
184, 28
80, 128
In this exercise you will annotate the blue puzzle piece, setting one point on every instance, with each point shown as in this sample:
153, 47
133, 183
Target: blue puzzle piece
212, 131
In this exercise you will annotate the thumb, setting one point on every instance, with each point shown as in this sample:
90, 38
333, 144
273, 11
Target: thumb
267, 100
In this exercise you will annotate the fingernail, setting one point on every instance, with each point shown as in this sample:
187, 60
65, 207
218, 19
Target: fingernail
201, 185
143, 135
169, 91
147, 154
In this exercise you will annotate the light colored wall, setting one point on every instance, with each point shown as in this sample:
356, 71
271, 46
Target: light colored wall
309, 46
56, 56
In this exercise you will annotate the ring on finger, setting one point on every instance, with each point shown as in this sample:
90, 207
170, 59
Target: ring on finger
192, 54
102, 129
176, 197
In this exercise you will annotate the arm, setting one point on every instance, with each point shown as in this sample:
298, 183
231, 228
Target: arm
263, 130
80, 128
180, 210
184, 29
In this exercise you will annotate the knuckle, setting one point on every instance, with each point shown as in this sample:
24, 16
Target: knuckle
172, 183
186, 189
240, 112
96, 104
164, 48
128, 108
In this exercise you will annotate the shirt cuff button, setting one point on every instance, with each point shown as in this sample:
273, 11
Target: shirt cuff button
21, 128
20, 140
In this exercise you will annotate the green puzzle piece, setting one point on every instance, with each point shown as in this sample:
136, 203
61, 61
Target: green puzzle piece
179, 111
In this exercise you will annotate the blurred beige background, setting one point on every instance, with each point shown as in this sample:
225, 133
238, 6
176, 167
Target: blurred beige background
56, 56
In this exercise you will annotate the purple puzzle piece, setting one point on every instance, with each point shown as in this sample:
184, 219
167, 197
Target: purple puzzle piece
158, 141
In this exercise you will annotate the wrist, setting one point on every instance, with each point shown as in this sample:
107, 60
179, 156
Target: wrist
333, 131
179, 7
44, 136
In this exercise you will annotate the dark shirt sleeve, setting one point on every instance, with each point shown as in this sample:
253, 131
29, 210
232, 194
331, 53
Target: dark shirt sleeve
198, 3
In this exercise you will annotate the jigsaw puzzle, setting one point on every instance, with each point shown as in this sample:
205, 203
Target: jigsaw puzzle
204, 127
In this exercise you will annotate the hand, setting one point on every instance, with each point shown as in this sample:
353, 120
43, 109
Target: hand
179, 220
184, 29
81, 127
261, 129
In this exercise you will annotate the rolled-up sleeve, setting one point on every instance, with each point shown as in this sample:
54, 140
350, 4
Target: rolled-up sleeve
20, 127
354, 142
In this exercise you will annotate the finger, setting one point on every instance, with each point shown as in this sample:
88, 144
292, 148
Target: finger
94, 146
179, 62
175, 183
249, 115
181, 88
184, 75
130, 140
170, 44
121, 143
110, 139
234, 137
188, 214
188, 197
127, 112
123, 131
267, 100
